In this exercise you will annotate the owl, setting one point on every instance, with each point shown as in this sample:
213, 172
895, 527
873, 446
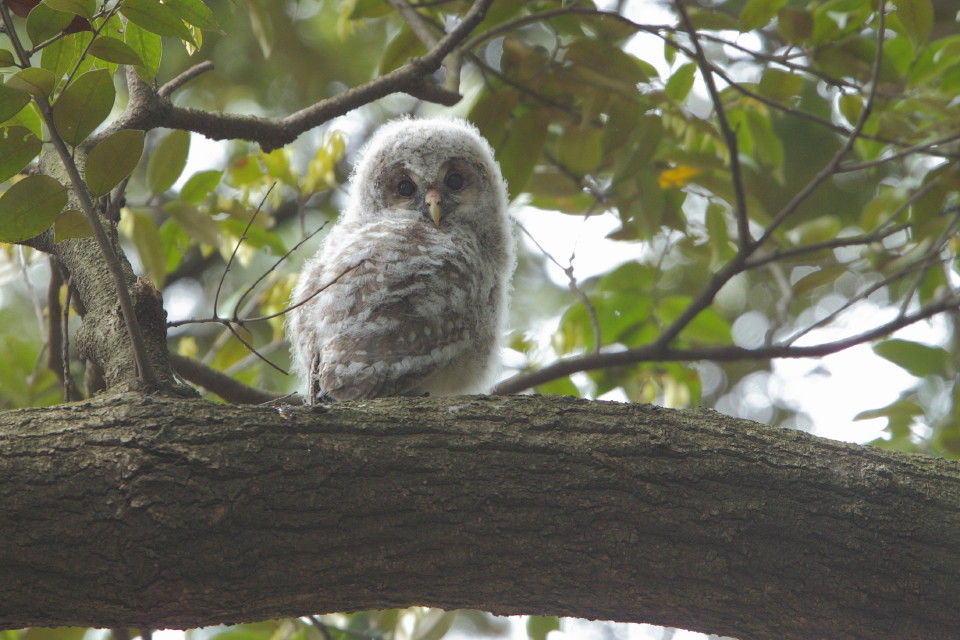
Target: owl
408, 292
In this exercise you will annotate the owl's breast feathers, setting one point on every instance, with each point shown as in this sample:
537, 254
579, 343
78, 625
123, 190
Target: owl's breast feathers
404, 319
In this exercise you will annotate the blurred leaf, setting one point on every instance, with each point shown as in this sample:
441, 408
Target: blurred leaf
677, 177
539, 626
402, 47
113, 159
560, 387
603, 64
83, 105
6, 58
157, 18
520, 152
782, 86
916, 17
794, 25
491, 114
919, 360
198, 225
167, 160
262, 25
757, 13
255, 236
71, 224
141, 229
579, 149
194, 12
114, 50
680, 83
29, 207
200, 185
816, 230
365, 9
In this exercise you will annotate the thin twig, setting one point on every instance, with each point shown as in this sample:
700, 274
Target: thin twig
175, 83
276, 264
236, 248
729, 135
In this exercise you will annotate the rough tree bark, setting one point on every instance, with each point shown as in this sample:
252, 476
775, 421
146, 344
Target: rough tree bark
136, 510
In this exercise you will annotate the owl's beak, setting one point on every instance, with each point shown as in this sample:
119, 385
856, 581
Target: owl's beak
432, 198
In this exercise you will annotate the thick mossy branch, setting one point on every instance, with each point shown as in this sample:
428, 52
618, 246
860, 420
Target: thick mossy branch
157, 512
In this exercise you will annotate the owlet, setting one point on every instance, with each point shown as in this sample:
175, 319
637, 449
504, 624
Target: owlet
408, 292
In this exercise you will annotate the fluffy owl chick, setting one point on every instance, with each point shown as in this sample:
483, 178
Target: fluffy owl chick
408, 292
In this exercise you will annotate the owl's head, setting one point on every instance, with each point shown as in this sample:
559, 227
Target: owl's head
439, 172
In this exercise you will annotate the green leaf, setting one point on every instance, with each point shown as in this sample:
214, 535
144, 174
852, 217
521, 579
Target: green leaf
200, 185
794, 25
29, 207
194, 12
680, 83
71, 224
917, 18
156, 18
261, 23
113, 159
539, 626
491, 114
114, 50
85, 8
198, 225
168, 160
61, 56
363, 9
83, 105
256, 236
35, 81
146, 238
402, 47
43, 23
782, 86
919, 360
6, 58
11, 102
17, 147
819, 229
520, 153
579, 149
757, 13
148, 46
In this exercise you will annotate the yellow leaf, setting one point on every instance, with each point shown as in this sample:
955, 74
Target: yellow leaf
677, 177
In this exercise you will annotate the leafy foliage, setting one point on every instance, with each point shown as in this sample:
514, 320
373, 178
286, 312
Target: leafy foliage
785, 176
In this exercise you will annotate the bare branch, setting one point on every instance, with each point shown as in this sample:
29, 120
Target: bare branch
654, 353
151, 110
224, 386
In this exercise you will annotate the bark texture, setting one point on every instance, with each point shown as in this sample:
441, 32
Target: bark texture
140, 511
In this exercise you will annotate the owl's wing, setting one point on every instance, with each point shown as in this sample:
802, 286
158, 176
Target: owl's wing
392, 325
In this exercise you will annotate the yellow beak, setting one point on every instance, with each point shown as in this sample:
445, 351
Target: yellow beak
433, 206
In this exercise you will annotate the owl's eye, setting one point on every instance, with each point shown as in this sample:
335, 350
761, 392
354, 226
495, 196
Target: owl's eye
454, 181
406, 188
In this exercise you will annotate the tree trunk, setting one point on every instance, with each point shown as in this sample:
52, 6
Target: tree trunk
141, 511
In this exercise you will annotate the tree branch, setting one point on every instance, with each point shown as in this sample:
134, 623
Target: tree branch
152, 110
661, 353
523, 505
